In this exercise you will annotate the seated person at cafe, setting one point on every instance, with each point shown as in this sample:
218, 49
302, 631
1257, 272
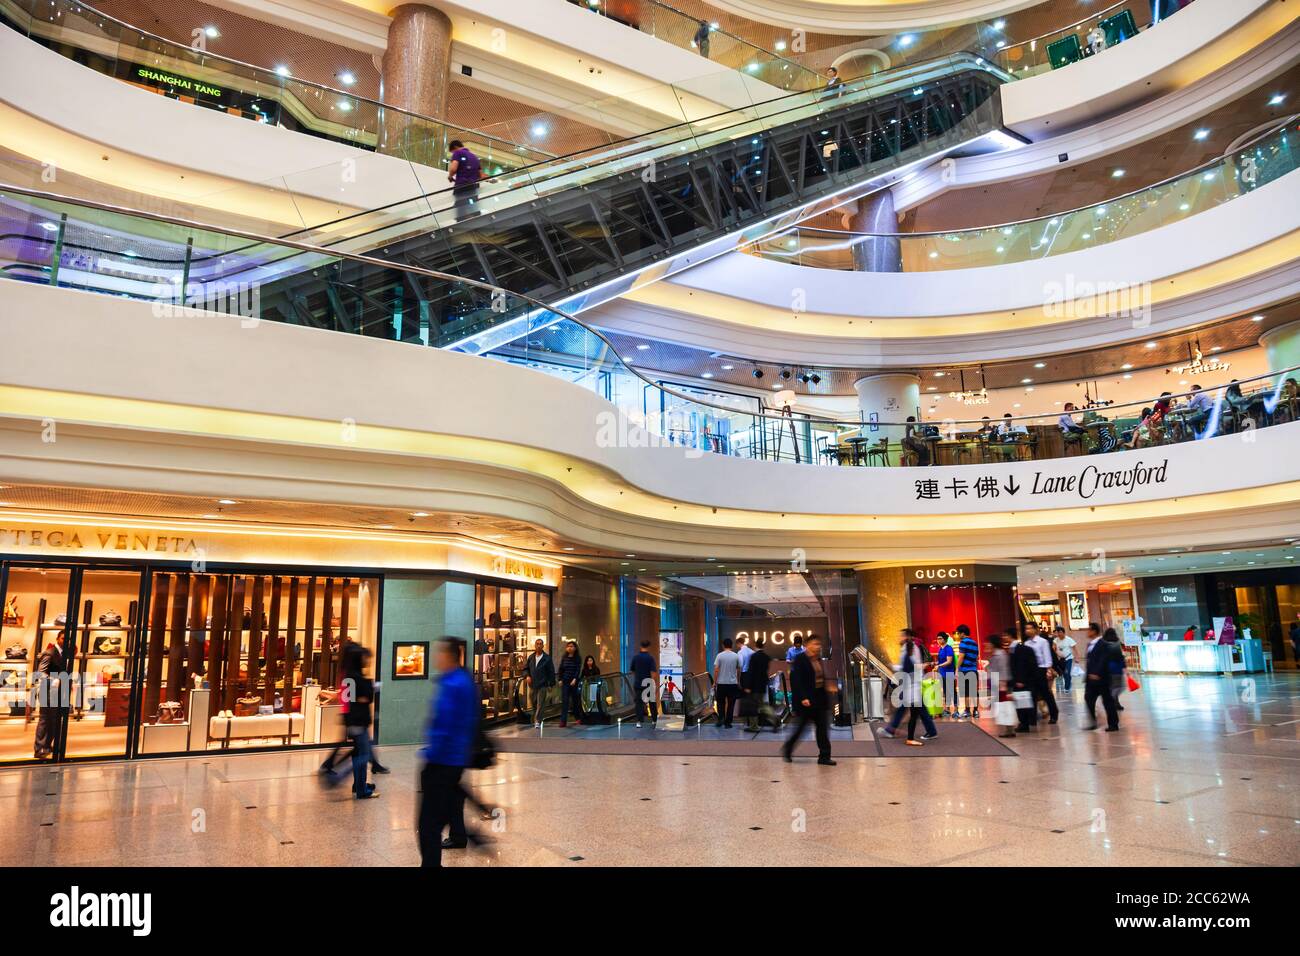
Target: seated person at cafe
914, 440
1164, 403
1067, 424
1147, 431
1198, 408
1011, 430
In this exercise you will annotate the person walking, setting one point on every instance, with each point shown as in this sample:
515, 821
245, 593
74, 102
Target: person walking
589, 668
744, 652
726, 682
570, 677
448, 745
540, 677
464, 173
53, 694
968, 673
1118, 679
999, 669
900, 710
1097, 684
1064, 646
645, 684
796, 647
911, 667
358, 693
347, 664
1042, 686
754, 680
1024, 677
810, 688
701, 38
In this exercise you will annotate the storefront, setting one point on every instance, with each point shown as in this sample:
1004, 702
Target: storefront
133, 639
981, 596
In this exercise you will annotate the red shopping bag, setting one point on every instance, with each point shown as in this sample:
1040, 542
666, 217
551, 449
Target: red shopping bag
1133, 685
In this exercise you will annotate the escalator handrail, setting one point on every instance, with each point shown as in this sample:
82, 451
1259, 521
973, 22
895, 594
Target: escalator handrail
1270, 129
775, 420
273, 78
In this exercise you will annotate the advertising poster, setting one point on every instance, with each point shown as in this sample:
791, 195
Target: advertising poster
670, 665
1076, 604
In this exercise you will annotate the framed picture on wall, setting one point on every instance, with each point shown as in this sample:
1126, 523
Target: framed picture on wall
411, 660
1076, 603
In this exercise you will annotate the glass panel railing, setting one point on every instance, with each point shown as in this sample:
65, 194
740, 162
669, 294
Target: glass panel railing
126, 53
1266, 158
174, 265
1083, 38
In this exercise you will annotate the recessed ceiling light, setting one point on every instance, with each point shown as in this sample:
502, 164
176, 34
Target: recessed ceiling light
539, 130
906, 40
1201, 134
1127, 365
1276, 99
1040, 365
282, 71
728, 368
212, 516
419, 514
643, 347
1116, 174
345, 106
212, 32
227, 501
384, 527
1025, 381
346, 78
1128, 375
1257, 318
939, 374
707, 375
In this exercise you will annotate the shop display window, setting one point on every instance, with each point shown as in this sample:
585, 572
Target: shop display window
507, 621
249, 660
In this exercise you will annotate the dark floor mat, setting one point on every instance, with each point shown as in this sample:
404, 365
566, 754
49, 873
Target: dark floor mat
954, 740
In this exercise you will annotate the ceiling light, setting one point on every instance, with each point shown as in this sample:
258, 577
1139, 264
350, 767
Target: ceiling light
1128, 375
1117, 174
1025, 381
212, 32
345, 106
1127, 365
1201, 134
642, 347
1185, 206
419, 514
539, 130
282, 71
728, 368
1276, 99
906, 40
708, 375
569, 548
1257, 318
346, 78
939, 374
1151, 345
780, 45
227, 501
999, 24
1040, 365
49, 226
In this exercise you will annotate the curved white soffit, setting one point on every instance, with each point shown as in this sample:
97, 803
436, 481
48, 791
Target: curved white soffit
215, 376
740, 304
869, 16
173, 150
1202, 39
1182, 106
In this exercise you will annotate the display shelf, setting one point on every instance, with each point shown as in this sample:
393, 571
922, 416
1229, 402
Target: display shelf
88, 627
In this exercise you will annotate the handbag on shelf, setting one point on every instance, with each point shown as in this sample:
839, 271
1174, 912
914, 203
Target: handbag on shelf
247, 706
60, 619
169, 712
265, 710
110, 618
107, 644
15, 652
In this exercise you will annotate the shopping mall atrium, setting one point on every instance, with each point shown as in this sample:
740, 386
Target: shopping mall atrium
382, 344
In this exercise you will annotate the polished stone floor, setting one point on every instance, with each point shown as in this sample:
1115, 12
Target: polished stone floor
1205, 772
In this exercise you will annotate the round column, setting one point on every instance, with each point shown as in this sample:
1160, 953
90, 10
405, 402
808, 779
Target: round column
1282, 346
889, 397
875, 214
414, 76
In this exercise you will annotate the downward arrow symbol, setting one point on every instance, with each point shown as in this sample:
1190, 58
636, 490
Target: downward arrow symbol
1011, 487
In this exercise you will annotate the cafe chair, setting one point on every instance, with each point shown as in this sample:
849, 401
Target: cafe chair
1073, 442
964, 453
879, 453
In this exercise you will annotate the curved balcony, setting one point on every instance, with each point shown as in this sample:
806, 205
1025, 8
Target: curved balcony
1264, 159
179, 267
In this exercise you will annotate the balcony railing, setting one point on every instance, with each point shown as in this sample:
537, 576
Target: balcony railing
1265, 158
176, 265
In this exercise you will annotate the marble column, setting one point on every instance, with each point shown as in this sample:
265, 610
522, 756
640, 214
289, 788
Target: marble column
415, 79
875, 214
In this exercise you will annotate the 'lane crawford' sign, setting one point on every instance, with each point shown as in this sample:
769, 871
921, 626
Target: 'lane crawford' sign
1053, 487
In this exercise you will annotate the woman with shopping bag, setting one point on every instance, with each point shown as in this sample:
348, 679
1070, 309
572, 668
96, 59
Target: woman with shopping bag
999, 668
911, 671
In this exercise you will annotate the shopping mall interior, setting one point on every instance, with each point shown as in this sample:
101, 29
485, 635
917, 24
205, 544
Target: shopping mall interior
573, 330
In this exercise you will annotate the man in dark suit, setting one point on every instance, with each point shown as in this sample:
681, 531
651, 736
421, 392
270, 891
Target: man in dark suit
810, 686
53, 693
541, 675
754, 703
1098, 671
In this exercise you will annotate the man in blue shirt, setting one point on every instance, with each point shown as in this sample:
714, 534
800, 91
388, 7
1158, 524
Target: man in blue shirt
449, 742
968, 672
645, 683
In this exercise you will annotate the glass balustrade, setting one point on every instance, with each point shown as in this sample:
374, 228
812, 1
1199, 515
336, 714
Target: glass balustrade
1254, 165
174, 265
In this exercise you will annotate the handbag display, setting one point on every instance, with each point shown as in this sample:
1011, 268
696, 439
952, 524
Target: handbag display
11, 616
107, 644
169, 712
15, 652
110, 618
60, 619
247, 706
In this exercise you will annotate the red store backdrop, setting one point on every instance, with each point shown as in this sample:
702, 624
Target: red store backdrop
942, 596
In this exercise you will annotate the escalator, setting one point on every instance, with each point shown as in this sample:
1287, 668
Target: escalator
573, 232
562, 233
